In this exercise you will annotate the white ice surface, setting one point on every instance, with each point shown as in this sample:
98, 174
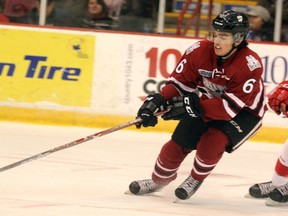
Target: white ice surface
91, 178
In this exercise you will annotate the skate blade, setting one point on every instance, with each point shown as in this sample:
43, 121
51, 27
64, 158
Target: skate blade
128, 192
176, 200
272, 203
149, 194
248, 196
251, 197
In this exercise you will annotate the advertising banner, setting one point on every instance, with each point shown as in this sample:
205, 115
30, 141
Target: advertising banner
46, 67
142, 64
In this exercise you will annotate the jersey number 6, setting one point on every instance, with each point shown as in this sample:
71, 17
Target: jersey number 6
248, 85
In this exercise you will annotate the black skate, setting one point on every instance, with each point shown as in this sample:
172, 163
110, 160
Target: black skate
279, 194
261, 190
187, 188
144, 186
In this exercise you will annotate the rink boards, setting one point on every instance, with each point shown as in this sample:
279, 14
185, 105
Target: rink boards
276, 133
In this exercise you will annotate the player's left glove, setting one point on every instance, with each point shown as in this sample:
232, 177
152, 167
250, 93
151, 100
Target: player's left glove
187, 106
278, 100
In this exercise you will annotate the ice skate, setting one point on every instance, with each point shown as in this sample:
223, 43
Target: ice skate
187, 188
144, 186
261, 190
278, 196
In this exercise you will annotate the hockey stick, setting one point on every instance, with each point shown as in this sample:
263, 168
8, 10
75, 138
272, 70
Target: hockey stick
77, 142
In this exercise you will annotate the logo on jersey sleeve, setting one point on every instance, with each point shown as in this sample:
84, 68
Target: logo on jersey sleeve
252, 63
193, 47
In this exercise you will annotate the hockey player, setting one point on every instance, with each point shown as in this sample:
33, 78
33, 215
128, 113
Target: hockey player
229, 110
277, 189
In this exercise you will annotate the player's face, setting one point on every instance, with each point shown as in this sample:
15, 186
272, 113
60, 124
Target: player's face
223, 42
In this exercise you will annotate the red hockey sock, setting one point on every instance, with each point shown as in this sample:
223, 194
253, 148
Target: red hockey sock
281, 169
168, 162
210, 149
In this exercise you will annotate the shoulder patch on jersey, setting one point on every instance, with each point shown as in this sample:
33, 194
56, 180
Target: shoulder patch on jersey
191, 48
252, 63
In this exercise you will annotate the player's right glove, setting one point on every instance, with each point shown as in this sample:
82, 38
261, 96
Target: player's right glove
187, 106
278, 99
153, 103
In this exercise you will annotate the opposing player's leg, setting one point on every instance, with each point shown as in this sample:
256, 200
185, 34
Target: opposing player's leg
276, 187
279, 195
280, 175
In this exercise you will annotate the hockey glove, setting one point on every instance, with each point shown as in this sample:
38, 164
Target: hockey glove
278, 100
187, 106
153, 103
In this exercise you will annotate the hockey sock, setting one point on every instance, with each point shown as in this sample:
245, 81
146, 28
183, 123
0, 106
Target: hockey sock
168, 162
210, 149
280, 176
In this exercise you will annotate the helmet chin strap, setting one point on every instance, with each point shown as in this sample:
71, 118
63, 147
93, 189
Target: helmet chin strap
221, 59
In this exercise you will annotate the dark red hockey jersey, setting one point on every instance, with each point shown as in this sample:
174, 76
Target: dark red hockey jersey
225, 88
